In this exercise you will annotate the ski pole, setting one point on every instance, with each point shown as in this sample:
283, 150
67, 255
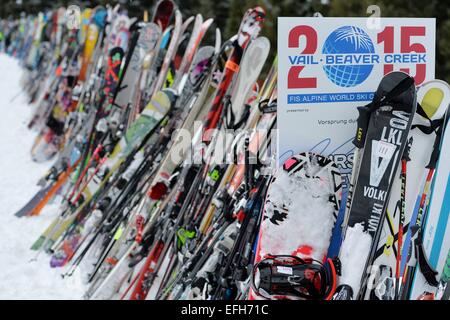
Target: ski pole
405, 159
78, 196
416, 249
83, 173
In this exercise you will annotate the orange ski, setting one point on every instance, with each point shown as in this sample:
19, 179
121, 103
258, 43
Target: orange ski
51, 192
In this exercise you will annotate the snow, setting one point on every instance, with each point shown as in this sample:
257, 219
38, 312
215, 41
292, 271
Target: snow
354, 253
21, 278
310, 220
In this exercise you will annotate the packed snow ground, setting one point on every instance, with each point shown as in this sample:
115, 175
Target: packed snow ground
21, 278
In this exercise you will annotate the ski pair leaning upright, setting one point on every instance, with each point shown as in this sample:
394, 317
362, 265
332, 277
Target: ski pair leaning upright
381, 140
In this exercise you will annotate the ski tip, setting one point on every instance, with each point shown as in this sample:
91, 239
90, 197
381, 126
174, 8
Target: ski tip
398, 90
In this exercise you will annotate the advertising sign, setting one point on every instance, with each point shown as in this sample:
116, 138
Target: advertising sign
329, 66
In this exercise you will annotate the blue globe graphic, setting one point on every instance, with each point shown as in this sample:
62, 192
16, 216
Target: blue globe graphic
348, 40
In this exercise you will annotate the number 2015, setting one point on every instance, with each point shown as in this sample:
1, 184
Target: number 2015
385, 37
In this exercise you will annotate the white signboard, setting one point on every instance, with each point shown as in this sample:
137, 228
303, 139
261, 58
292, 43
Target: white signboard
329, 66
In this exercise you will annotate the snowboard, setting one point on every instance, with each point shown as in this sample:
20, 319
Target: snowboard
300, 210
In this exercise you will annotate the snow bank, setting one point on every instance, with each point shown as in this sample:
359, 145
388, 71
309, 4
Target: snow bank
20, 278
309, 216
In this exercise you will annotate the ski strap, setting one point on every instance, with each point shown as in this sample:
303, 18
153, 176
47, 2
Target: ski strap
427, 270
407, 149
434, 124
436, 147
421, 111
230, 117
400, 88
367, 110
